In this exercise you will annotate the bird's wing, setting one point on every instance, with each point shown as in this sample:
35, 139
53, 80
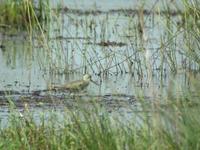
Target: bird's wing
73, 84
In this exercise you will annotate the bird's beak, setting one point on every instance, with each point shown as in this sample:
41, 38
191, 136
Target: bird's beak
94, 82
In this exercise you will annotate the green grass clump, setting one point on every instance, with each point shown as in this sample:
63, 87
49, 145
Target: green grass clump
191, 26
23, 13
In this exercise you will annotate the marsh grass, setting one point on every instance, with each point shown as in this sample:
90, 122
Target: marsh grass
23, 14
177, 42
139, 56
191, 25
170, 125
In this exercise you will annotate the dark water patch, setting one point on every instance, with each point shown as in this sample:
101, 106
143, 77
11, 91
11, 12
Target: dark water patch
109, 43
70, 38
3, 93
121, 11
2, 47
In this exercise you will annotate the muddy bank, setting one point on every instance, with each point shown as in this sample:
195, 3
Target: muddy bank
63, 100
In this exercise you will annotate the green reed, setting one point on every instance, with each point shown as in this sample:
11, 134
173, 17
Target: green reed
23, 13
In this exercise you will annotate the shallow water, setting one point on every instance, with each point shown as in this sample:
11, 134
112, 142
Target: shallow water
125, 62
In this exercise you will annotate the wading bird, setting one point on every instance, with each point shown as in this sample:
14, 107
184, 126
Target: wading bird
75, 86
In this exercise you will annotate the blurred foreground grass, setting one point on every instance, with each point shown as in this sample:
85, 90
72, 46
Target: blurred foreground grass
170, 125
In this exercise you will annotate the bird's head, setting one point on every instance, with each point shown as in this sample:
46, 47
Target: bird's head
87, 77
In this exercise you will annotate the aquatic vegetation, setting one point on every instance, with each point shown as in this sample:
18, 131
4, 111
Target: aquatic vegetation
191, 25
23, 13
